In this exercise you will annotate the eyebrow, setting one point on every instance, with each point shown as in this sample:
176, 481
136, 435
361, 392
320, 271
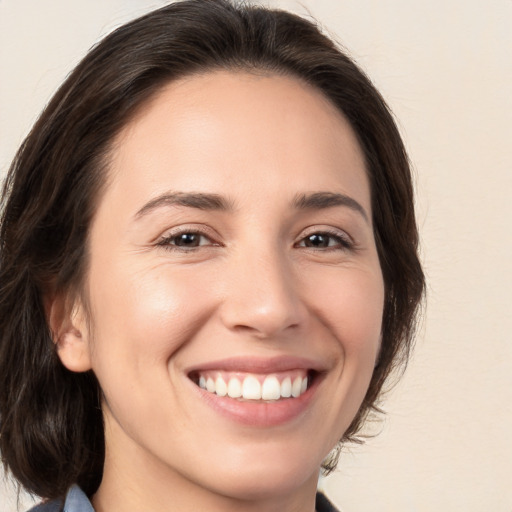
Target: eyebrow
199, 200
323, 200
216, 202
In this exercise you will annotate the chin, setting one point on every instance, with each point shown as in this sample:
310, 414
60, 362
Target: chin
270, 482
267, 471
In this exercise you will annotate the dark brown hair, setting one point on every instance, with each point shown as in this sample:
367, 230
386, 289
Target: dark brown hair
51, 431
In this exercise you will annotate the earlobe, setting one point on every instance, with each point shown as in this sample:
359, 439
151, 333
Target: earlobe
70, 333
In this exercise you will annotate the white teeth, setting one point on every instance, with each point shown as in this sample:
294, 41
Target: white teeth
234, 388
271, 389
297, 384
286, 388
304, 385
220, 387
250, 387
210, 385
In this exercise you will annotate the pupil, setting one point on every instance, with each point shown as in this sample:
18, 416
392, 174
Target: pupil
187, 239
318, 240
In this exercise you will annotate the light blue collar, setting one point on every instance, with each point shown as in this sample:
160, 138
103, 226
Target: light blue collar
77, 501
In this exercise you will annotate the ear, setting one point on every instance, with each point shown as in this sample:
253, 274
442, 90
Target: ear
69, 328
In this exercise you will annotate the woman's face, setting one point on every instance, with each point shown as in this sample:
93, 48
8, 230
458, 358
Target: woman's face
232, 250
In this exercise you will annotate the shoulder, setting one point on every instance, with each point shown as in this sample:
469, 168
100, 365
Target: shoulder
75, 501
323, 504
50, 506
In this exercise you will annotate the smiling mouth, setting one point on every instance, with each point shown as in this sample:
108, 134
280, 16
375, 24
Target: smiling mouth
255, 387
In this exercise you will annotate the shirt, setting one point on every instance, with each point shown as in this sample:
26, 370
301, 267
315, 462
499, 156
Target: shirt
77, 501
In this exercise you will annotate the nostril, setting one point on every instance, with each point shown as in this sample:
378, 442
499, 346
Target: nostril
264, 307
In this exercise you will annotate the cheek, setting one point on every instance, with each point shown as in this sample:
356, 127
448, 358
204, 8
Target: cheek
142, 319
351, 308
351, 305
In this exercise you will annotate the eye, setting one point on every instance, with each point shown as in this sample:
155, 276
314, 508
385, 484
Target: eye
325, 240
185, 240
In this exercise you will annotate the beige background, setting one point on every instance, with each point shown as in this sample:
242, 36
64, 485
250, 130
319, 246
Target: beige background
445, 67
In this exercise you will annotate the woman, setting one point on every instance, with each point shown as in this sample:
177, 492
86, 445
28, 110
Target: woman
208, 270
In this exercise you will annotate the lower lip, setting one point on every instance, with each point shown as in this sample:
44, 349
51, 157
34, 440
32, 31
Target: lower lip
260, 413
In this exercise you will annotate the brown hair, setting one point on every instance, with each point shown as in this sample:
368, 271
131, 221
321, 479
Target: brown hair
51, 431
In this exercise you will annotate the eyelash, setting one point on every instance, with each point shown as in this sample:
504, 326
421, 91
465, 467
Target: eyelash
343, 242
167, 242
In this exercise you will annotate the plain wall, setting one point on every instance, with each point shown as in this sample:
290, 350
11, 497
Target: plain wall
445, 67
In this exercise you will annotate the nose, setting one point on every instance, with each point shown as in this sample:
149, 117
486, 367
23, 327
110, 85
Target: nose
261, 295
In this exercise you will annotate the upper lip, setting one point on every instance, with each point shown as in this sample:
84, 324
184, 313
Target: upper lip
260, 364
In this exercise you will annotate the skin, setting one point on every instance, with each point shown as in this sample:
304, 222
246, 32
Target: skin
255, 287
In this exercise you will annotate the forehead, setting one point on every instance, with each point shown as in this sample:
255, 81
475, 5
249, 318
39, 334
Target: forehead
238, 130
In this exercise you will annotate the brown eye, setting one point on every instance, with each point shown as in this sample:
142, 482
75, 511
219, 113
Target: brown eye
317, 240
187, 240
325, 241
